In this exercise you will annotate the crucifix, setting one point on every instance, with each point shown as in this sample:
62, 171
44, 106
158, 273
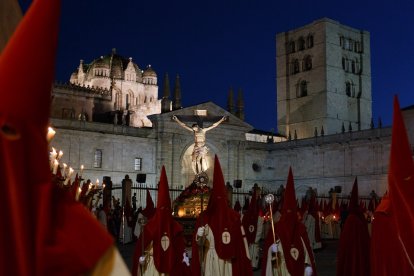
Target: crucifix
200, 150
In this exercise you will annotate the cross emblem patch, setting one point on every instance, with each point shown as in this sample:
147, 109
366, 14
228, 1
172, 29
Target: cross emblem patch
294, 252
165, 242
251, 228
225, 237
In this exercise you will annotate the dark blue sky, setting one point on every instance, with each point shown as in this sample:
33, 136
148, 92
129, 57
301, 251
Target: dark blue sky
216, 44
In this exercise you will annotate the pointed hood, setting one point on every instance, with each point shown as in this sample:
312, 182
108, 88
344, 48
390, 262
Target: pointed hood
246, 204
385, 205
162, 230
24, 114
289, 200
401, 182
149, 210
39, 233
354, 243
164, 200
354, 206
291, 232
250, 219
219, 192
219, 216
237, 206
22, 99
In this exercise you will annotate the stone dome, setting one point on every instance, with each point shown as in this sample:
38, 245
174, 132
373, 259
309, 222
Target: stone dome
114, 64
149, 72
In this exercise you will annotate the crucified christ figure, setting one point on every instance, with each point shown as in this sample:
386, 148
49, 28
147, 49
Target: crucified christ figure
200, 149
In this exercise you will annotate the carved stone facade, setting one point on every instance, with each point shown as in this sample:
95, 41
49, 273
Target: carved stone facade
318, 161
110, 88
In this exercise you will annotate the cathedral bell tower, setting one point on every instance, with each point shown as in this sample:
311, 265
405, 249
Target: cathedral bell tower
323, 79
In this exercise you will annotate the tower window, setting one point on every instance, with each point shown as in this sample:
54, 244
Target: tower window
291, 47
309, 41
98, 159
346, 44
348, 88
295, 66
351, 45
353, 67
303, 89
127, 101
307, 63
301, 44
357, 67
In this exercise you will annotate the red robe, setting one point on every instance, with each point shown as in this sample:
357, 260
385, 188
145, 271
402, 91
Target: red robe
290, 233
387, 255
166, 236
221, 218
44, 232
353, 256
169, 261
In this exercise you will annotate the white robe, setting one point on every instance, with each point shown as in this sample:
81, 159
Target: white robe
270, 269
148, 268
254, 247
310, 229
214, 266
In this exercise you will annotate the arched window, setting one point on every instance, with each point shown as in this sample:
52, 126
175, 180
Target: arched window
357, 66
348, 88
118, 100
307, 63
341, 41
291, 47
301, 44
353, 67
309, 41
351, 45
302, 89
346, 44
126, 101
343, 62
295, 66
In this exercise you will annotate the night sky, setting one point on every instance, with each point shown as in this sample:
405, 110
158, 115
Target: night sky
214, 45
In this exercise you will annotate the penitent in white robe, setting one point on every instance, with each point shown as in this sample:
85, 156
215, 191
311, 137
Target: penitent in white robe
310, 229
283, 271
148, 268
214, 266
254, 247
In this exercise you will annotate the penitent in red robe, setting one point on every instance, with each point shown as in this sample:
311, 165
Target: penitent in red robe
353, 256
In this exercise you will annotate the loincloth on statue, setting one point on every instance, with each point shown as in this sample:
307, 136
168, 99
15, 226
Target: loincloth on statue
199, 152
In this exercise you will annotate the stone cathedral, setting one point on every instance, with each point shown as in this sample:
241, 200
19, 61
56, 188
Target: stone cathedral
110, 118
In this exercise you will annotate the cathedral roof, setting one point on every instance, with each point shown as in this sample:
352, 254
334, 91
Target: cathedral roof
149, 72
116, 64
